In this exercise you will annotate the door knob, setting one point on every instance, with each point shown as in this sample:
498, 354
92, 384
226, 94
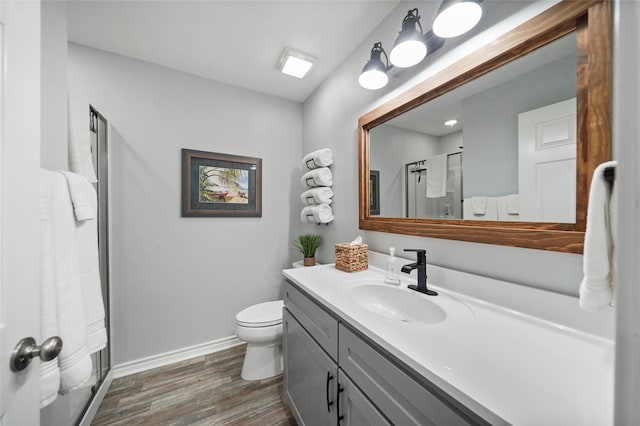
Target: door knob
26, 350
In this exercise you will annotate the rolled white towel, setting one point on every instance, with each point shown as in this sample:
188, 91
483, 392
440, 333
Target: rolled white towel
322, 213
319, 158
317, 177
320, 195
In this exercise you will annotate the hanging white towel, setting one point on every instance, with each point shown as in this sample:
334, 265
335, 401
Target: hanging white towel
319, 158
317, 177
49, 371
490, 210
513, 204
437, 176
79, 138
322, 213
74, 360
596, 288
320, 195
506, 205
479, 205
84, 194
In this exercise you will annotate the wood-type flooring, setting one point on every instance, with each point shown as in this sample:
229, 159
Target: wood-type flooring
201, 391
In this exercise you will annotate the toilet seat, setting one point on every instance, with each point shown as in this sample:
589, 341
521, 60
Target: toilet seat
261, 315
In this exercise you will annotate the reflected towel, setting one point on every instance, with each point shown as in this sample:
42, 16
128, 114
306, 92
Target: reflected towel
491, 209
513, 204
321, 195
319, 158
479, 205
322, 213
597, 286
437, 176
317, 177
503, 206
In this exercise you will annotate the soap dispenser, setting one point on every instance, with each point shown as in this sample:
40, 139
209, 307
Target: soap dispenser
391, 277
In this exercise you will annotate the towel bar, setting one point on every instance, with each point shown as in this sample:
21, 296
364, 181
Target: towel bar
610, 174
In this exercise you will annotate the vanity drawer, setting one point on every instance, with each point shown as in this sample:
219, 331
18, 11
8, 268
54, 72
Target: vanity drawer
402, 400
318, 323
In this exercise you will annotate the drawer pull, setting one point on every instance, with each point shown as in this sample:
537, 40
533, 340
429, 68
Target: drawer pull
329, 379
340, 390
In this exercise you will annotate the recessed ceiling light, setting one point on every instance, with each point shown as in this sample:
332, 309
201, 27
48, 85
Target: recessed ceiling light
294, 63
451, 123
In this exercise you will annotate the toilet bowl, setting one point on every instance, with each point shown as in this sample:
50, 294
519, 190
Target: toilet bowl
261, 327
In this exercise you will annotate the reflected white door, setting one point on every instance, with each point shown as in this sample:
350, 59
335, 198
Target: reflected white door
19, 205
547, 163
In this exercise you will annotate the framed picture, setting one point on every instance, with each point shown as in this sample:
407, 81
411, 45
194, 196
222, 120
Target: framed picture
374, 192
220, 185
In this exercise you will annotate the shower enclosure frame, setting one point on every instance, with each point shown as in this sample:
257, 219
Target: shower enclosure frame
419, 167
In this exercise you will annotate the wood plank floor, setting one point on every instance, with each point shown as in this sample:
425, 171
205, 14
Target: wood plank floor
206, 390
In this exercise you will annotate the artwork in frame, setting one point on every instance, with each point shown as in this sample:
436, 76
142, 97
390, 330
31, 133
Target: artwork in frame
221, 185
374, 192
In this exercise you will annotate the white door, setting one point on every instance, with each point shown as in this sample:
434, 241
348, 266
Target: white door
547, 163
19, 205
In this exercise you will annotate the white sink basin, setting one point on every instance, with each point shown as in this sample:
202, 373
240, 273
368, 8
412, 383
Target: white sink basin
397, 303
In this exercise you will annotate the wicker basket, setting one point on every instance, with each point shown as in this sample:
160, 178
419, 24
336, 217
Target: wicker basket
352, 258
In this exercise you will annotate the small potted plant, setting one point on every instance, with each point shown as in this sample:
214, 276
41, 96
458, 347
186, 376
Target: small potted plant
308, 244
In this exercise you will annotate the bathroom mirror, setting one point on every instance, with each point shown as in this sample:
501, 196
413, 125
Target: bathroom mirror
533, 111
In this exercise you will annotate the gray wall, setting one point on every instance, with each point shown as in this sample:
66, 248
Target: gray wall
330, 118
53, 149
491, 125
178, 282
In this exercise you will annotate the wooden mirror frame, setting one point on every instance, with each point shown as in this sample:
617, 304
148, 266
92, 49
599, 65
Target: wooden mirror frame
592, 22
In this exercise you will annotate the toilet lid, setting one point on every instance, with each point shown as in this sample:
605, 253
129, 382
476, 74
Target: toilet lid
261, 315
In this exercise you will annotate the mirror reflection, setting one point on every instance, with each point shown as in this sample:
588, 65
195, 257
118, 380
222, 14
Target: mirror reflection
506, 153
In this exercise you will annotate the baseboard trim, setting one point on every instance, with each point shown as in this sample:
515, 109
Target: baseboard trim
160, 360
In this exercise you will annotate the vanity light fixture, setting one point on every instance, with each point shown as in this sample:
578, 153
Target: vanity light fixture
374, 74
455, 17
450, 123
409, 48
294, 63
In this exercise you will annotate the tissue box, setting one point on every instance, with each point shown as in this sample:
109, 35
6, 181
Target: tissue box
352, 258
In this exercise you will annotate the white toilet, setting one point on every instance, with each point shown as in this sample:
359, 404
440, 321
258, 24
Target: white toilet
261, 327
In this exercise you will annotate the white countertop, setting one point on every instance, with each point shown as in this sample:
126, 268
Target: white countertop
504, 362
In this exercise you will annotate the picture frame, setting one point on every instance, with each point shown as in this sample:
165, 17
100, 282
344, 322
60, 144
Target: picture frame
374, 192
220, 185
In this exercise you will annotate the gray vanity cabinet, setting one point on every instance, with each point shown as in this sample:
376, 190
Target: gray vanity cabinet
332, 375
310, 376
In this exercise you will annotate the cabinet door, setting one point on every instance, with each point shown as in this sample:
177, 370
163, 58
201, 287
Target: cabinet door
318, 323
310, 376
355, 409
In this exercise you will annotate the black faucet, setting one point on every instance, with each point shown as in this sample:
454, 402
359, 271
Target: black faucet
421, 266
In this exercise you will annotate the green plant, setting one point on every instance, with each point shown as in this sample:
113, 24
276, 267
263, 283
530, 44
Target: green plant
308, 244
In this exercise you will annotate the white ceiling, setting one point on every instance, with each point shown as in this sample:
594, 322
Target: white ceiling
234, 42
